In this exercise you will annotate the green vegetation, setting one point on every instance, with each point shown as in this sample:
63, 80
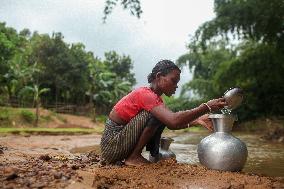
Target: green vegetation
49, 131
101, 118
21, 121
255, 64
55, 71
132, 5
243, 46
24, 117
28, 116
37, 68
9, 117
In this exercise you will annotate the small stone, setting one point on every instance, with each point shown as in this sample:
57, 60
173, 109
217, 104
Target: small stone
74, 167
85, 159
11, 176
66, 177
57, 175
3, 148
45, 157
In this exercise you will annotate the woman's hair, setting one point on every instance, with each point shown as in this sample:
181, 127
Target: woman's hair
164, 67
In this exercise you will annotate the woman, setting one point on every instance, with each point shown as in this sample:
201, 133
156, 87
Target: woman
138, 119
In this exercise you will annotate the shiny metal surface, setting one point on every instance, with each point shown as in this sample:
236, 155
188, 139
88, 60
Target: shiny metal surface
234, 98
221, 150
164, 151
222, 122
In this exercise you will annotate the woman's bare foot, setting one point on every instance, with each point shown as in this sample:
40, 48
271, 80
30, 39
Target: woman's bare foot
134, 160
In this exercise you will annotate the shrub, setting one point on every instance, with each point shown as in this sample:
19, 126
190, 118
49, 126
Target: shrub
28, 116
4, 114
101, 118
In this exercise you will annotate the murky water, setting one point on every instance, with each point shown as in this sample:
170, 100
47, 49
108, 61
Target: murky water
263, 157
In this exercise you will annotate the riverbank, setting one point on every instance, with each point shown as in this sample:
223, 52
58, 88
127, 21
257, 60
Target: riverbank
21, 121
270, 129
56, 155
72, 162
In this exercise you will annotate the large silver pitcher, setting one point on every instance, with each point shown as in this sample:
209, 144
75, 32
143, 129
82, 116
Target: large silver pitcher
221, 150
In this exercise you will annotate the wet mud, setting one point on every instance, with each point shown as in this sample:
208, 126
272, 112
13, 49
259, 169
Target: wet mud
53, 162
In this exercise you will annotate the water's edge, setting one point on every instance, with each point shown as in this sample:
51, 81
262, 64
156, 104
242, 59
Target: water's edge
264, 157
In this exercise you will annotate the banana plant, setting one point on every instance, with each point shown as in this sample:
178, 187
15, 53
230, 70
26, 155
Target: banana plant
37, 92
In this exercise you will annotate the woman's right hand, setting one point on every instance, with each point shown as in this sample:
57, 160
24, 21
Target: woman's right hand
216, 104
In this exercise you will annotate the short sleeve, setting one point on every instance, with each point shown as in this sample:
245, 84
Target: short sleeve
149, 100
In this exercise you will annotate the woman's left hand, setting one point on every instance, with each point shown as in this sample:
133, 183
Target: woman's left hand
205, 122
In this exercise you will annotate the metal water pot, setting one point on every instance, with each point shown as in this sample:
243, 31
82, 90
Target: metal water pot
221, 150
233, 98
164, 150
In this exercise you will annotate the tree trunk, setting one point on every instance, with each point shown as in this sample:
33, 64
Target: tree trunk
92, 108
37, 112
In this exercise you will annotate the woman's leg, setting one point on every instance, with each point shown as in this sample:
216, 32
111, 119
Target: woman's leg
135, 158
118, 141
126, 142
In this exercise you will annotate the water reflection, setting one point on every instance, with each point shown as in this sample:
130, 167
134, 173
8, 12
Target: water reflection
263, 157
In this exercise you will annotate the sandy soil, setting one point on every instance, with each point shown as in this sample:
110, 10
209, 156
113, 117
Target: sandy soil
72, 162
67, 121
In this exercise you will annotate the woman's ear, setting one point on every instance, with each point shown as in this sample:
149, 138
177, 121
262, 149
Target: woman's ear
158, 75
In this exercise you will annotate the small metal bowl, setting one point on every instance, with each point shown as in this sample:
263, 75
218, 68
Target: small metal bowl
233, 98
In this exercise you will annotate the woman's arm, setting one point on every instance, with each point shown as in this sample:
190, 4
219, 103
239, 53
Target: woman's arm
179, 120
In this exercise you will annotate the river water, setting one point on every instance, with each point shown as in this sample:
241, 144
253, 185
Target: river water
263, 157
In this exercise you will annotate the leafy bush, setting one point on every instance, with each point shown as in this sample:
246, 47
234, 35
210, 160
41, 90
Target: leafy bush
46, 117
4, 114
28, 116
101, 118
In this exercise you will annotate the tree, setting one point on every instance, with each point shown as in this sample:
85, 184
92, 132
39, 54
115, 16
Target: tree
56, 64
8, 45
109, 90
256, 64
109, 80
37, 92
259, 71
205, 65
14, 71
259, 20
68, 71
120, 65
133, 5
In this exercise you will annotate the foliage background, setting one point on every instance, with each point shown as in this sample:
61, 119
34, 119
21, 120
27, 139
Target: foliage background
243, 46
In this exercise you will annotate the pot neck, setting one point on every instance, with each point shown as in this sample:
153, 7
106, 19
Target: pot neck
165, 142
222, 123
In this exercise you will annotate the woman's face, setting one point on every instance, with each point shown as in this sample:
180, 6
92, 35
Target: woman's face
168, 83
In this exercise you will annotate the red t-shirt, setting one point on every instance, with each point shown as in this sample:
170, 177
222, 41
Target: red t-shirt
142, 98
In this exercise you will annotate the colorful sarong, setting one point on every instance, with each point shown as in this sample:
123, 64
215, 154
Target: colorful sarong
118, 141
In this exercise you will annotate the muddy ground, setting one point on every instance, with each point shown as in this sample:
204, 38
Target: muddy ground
73, 162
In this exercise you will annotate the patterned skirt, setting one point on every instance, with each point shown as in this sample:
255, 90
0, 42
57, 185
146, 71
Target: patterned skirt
118, 141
